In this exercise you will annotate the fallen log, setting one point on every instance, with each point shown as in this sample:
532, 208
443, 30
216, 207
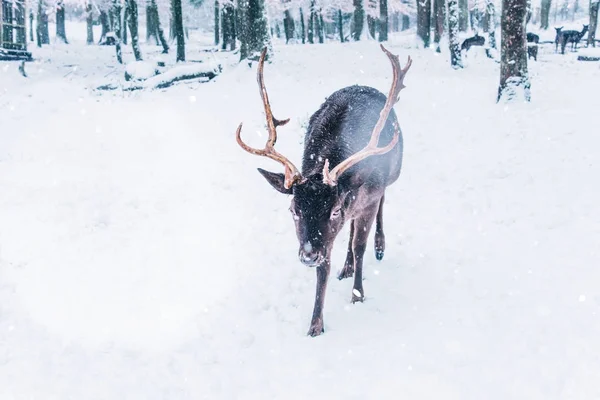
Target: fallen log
170, 77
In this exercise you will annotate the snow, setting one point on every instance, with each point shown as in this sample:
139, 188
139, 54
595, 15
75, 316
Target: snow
142, 256
141, 70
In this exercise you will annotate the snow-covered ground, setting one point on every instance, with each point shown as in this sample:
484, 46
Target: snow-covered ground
143, 257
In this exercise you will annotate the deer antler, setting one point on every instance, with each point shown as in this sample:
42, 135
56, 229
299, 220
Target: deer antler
330, 177
291, 172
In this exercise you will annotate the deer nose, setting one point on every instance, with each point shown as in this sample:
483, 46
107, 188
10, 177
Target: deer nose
308, 255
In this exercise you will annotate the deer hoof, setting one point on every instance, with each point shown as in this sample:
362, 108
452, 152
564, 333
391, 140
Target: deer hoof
346, 272
357, 296
316, 328
379, 254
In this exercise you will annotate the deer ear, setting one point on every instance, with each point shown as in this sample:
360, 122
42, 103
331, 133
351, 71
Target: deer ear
275, 180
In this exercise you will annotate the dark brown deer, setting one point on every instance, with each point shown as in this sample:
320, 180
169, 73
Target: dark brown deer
344, 176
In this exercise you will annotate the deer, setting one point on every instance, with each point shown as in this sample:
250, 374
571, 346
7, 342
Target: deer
572, 37
345, 172
472, 41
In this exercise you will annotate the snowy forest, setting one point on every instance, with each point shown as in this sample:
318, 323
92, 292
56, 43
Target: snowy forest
299, 199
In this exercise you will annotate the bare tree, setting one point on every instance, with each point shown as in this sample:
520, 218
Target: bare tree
455, 57
439, 16
61, 32
359, 18
177, 14
89, 18
514, 77
383, 20
424, 21
132, 18
594, 4
490, 11
545, 14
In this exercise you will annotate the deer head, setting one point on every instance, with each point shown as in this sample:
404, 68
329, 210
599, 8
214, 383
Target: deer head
320, 200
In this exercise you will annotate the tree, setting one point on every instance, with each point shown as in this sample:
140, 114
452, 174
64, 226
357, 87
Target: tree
463, 15
490, 11
61, 32
153, 27
132, 18
455, 56
424, 21
117, 11
177, 15
383, 20
288, 25
228, 25
594, 4
217, 33
89, 19
340, 24
302, 27
439, 16
514, 77
359, 18
545, 13
253, 32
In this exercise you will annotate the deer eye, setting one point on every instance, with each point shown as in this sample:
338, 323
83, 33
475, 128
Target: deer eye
336, 213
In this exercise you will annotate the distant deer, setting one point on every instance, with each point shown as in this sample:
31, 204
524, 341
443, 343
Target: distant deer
532, 45
570, 36
472, 41
344, 176
557, 38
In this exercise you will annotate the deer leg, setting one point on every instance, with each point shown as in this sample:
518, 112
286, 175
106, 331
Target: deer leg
348, 269
379, 235
316, 323
361, 234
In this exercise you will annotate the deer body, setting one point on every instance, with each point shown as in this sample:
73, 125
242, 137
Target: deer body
343, 179
570, 36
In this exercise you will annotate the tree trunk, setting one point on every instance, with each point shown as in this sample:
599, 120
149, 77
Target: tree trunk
453, 18
150, 24
177, 14
254, 29
405, 22
45, 28
288, 25
158, 33
424, 21
439, 16
39, 23
124, 25
242, 25
89, 18
530, 11
490, 10
217, 33
514, 77
104, 22
311, 23
31, 30
383, 20
61, 32
594, 5
117, 12
463, 15
302, 27
132, 18
359, 18
320, 27
228, 26
545, 14
341, 26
